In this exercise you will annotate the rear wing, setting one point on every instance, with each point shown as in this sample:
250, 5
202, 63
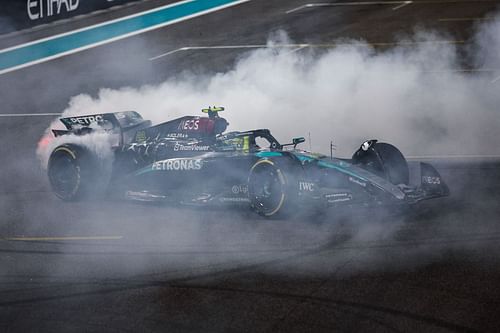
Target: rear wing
116, 122
105, 121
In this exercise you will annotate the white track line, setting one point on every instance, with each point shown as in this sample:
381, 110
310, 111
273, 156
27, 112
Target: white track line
134, 33
402, 5
28, 114
360, 3
71, 238
228, 47
69, 19
429, 157
471, 70
298, 46
95, 26
371, 3
465, 19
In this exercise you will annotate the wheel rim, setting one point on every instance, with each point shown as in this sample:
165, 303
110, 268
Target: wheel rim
64, 176
266, 188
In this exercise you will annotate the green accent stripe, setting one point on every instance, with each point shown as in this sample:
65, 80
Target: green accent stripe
336, 167
268, 154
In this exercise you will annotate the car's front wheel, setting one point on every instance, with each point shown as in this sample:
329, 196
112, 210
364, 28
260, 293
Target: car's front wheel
267, 188
384, 160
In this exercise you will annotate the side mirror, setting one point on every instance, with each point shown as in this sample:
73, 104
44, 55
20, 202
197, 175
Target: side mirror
296, 141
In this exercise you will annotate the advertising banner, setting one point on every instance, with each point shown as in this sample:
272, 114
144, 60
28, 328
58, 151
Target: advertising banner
23, 14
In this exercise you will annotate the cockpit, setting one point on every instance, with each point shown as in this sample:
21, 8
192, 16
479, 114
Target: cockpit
248, 141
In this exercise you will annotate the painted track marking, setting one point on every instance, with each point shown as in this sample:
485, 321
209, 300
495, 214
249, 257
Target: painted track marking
29, 114
450, 157
39, 51
296, 46
399, 4
406, 3
217, 47
464, 19
338, 4
71, 238
297, 49
90, 27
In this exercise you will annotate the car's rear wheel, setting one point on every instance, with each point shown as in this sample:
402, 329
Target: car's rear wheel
71, 172
267, 188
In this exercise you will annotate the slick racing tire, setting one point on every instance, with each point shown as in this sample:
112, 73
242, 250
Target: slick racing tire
268, 188
394, 163
71, 172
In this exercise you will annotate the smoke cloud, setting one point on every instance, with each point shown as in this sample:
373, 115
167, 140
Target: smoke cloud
415, 96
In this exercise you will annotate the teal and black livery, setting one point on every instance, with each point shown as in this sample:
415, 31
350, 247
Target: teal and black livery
193, 160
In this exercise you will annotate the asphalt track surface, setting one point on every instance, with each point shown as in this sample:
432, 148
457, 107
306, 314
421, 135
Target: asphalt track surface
119, 266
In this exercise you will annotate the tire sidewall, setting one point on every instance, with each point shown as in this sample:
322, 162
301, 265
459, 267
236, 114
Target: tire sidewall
85, 166
286, 176
394, 163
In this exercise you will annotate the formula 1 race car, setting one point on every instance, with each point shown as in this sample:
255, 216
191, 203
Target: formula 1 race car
192, 160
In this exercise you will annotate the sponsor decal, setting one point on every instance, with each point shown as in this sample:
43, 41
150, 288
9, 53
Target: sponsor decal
177, 135
306, 186
179, 147
357, 181
431, 180
190, 125
85, 121
179, 164
238, 199
237, 189
120, 115
140, 136
338, 197
38, 9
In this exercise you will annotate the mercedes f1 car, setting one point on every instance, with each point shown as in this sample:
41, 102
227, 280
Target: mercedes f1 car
193, 160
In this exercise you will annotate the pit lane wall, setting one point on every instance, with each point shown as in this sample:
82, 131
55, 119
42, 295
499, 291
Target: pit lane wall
24, 14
